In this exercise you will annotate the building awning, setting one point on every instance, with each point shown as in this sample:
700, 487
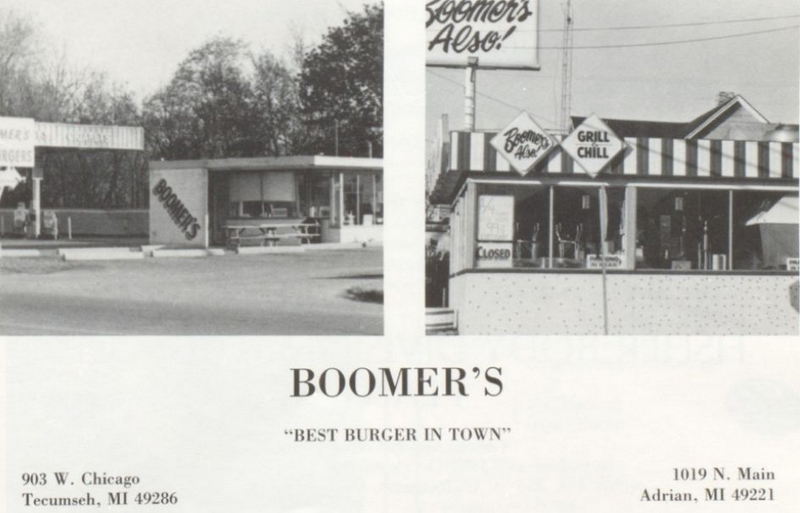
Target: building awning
645, 156
322, 162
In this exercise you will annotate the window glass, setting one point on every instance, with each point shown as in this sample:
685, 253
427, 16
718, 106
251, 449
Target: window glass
528, 226
251, 209
682, 229
576, 225
678, 229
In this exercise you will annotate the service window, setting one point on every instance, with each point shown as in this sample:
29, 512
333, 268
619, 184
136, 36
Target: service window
579, 241
513, 227
682, 229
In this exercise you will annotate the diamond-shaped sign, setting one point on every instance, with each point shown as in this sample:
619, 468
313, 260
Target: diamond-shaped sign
523, 143
592, 145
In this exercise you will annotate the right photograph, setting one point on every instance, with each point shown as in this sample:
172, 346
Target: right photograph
614, 168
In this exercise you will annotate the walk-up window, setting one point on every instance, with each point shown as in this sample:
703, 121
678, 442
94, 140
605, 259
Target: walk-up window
682, 229
315, 194
263, 194
716, 229
546, 226
363, 199
303, 194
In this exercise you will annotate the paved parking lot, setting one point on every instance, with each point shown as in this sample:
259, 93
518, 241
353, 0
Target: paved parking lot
328, 292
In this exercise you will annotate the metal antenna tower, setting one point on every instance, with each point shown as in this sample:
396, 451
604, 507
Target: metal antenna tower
566, 70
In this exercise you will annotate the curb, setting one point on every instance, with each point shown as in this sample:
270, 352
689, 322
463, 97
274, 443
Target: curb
261, 250
101, 254
178, 253
27, 253
340, 245
182, 253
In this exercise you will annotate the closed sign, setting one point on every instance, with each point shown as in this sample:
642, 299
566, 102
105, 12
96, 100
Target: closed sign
494, 254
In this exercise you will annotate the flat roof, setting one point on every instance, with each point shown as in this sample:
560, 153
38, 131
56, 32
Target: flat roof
267, 163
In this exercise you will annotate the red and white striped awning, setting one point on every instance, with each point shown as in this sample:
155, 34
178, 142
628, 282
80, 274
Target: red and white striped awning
699, 158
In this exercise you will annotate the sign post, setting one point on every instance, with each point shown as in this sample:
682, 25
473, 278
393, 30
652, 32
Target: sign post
592, 145
470, 87
36, 201
474, 34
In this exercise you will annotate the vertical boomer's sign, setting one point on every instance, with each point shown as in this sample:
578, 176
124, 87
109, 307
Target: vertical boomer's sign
17, 142
180, 215
499, 33
495, 231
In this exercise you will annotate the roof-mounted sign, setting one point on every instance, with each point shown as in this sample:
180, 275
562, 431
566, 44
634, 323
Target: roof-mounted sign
523, 143
592, 145
499, 34
19, 138
17, 142
105, 137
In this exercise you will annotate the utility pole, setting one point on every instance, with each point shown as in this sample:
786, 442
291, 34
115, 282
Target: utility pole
566, 70
336, 137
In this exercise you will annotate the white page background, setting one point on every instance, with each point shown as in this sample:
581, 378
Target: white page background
593, 421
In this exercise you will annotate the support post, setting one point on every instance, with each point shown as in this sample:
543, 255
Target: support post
341, 200
730, 230
36, 205
629, 240
602, 205
375, 199
470, 79
69, 228
358, 200
332, 212
550, 229
206, 231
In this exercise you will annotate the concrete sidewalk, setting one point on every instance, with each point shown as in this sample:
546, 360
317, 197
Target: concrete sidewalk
135, 249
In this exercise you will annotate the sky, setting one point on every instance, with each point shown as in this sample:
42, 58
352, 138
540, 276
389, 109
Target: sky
139, 43
667, 83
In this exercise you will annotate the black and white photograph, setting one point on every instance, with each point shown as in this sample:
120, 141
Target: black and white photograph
199, 172
213, 294
612, 168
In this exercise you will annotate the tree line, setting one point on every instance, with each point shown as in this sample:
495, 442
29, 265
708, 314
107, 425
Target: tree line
224, 100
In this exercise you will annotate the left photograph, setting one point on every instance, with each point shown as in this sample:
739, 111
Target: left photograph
191, 168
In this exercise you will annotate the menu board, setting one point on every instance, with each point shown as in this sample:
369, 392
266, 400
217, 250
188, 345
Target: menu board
495, 218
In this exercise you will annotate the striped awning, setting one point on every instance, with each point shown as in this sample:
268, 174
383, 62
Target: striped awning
699, 158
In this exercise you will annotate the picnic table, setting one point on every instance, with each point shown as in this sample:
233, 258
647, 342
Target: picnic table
270, 233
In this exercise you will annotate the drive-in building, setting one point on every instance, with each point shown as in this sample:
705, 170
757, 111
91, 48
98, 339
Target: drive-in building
691, 229
266, 200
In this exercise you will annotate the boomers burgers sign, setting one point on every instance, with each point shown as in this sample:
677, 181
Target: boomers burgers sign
498, 33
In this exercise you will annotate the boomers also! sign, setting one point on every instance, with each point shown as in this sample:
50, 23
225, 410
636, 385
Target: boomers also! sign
523, 143
499, 33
